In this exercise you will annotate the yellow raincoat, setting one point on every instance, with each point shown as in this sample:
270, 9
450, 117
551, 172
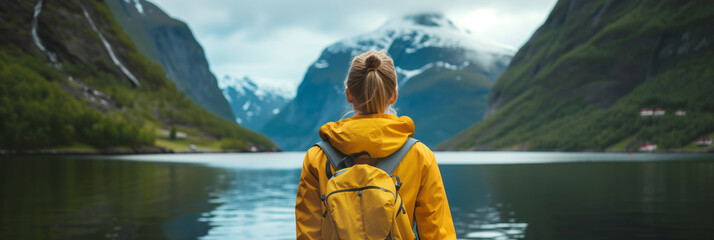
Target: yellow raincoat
380, 135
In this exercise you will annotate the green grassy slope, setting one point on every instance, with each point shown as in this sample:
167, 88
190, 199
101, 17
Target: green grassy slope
580, 81
41, 108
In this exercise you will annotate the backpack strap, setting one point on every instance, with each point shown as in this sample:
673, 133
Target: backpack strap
333, 156
389, 163
339, 161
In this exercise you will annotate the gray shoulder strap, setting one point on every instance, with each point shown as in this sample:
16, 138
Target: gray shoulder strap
389, 163
333, 156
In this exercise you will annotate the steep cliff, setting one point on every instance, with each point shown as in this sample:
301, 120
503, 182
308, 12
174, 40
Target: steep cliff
170, 43
70, 76
581, 80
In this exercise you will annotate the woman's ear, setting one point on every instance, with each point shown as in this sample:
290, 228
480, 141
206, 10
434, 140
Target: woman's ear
394, 97
349, 96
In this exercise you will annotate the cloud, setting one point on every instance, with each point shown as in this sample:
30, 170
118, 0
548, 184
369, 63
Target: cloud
277, 56
274, 41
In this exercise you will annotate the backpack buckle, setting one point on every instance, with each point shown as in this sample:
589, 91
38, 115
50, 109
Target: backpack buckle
398, 184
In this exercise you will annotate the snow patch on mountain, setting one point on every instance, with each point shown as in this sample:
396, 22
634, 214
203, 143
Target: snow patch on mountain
422, 30
137, 5
252, 103
408, 74
245, 85
321, 64
227, 97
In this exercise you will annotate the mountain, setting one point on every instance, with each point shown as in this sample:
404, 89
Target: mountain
170, 43
444, 74
582, 79
253, 104
71, 78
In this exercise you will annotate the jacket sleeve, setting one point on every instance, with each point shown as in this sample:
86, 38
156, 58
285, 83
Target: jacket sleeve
431, 212
307, 205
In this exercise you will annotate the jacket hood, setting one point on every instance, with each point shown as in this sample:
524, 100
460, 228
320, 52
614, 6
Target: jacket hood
378, 134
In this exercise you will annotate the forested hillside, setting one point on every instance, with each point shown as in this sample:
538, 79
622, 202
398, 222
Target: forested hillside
69, 77
582, 79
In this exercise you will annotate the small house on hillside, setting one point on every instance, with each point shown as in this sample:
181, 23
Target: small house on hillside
646, 112
680, 113
704, 141
659, 112
648, 147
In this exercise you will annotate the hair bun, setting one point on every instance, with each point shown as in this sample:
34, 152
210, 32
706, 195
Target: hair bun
372, 62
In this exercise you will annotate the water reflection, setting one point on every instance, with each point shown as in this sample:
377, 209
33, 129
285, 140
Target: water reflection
583, 200
258, 204
65, 198
489, 223
252, 196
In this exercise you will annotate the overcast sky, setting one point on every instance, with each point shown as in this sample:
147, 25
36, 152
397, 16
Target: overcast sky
274, 41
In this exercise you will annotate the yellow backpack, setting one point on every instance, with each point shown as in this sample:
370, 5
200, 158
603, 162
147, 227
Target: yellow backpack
362, 201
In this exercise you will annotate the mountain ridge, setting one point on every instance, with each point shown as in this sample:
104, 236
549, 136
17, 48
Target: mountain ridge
426, 59
253, 104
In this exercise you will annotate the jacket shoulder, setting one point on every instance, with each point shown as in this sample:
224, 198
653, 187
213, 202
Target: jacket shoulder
422, 154
314, 156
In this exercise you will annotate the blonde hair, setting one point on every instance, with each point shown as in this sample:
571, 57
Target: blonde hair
372, 81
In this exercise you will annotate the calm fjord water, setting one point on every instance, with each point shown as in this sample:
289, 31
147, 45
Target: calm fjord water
493, 195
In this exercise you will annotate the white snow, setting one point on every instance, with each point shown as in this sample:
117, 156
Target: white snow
321, 64
239, 121
451, 66
444, 35
245, 85
408, 74
226, 96
246, 106
276, 111
139, 7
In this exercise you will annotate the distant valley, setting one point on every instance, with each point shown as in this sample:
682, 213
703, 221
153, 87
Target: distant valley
253, 105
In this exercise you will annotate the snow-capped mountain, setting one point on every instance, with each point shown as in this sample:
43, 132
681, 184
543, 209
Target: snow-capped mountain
414, 35
444, 73
253, 104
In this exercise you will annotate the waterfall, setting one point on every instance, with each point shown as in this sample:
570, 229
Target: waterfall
108, 46
89, 92
50, 55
